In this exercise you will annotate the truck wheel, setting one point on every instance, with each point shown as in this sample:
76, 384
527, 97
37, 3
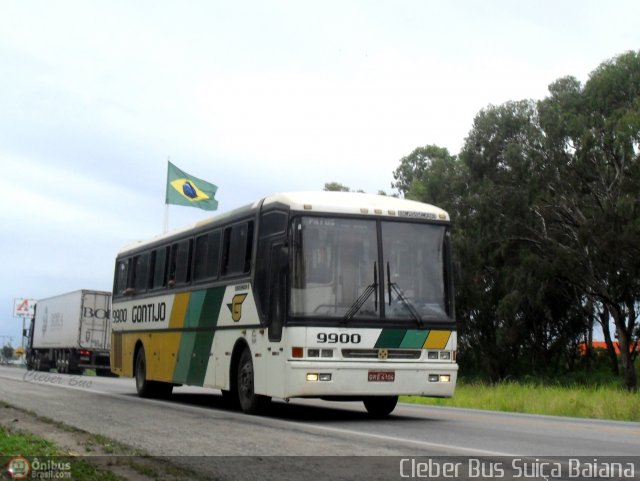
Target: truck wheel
250, 402
380, 406
41, 365
145, 387
64, 363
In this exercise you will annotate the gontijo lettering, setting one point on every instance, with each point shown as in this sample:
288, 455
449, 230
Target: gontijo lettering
149, 313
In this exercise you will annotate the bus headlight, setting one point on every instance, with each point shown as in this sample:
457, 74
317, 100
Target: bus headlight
314, 377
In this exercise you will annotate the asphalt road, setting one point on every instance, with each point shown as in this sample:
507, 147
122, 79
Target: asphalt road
194, 422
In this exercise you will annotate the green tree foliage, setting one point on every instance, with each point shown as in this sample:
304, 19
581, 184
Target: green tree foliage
336, 187
7, 352
593, 205
545, 200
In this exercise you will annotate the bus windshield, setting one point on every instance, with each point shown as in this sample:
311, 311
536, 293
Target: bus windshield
339, 272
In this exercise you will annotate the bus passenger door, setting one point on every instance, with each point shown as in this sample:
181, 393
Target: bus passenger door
277, 281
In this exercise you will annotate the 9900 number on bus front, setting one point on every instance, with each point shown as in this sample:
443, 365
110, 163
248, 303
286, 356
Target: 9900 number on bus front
335, 338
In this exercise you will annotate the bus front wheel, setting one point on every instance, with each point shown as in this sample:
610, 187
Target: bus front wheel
250, 402
380, 406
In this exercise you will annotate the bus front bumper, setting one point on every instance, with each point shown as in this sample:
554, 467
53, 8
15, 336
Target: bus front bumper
306, 379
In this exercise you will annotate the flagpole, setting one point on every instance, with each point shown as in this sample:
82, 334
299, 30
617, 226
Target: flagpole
166, 201
166, 218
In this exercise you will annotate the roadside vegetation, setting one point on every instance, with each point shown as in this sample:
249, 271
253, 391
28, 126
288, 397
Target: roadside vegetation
589, 391
34, 447
90, 457
594, 402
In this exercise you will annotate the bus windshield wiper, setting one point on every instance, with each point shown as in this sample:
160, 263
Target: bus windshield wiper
362, 298
403, 298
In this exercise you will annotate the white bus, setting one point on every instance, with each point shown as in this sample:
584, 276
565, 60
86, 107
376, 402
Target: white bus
329, 295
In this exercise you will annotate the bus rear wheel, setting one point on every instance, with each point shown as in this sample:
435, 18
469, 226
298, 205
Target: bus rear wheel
145, 387
380, 406
250, 402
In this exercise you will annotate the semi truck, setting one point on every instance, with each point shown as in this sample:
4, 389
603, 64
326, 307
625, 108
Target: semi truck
71, 332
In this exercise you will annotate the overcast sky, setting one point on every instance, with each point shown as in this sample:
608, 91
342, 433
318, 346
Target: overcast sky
255, 97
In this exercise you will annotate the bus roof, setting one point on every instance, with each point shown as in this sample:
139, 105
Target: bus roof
345, 203
356, 203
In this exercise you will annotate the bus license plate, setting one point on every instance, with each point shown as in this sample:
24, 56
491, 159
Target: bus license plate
382, 376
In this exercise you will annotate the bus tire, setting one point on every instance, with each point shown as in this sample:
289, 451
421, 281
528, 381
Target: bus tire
380, 406
140, 373
250, 402
230, 399
145, 387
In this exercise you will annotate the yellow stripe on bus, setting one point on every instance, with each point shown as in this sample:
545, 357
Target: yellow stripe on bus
164, 346
437, 340
179, 310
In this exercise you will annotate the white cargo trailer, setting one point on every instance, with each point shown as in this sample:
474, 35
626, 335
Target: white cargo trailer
71, 332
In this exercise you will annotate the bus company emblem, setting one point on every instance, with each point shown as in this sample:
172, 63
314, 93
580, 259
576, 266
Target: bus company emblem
236, 306
383, 354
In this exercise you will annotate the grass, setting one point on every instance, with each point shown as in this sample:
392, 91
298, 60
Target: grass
129, 461
25, 444
596, 402
14, 444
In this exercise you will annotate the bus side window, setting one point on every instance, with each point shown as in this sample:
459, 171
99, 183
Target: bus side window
141, 271
213, 254
206, 257
122, 273
159, 267
237, 247
180, 270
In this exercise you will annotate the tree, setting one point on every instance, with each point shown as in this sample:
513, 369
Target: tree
7, 352
336, 187
592, 211
428, 174
518, 315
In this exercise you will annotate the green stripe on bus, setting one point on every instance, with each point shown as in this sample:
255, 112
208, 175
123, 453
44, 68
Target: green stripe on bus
390, 338
414, 339
188, 339
193, 353
202, 347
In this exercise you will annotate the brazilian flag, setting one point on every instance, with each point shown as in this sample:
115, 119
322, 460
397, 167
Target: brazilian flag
185, 189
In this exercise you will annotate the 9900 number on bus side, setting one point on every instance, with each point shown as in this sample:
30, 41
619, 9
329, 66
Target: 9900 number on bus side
335, 338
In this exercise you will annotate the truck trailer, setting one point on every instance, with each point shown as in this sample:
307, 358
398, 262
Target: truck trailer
71, 332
